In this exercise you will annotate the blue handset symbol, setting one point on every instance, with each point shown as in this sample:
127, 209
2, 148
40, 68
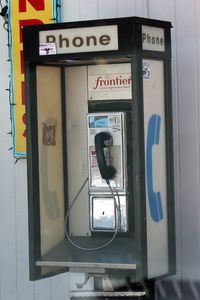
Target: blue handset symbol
153, 137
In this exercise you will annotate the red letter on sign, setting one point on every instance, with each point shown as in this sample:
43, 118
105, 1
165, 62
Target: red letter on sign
23, 103
24, 121
23, 92
28, 23
37, 5
22, 61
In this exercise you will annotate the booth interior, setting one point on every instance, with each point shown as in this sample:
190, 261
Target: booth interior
91, 220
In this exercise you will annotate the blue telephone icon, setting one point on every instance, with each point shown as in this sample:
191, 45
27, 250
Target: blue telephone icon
153, 137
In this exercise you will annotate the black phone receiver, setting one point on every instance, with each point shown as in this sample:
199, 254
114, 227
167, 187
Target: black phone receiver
107, 172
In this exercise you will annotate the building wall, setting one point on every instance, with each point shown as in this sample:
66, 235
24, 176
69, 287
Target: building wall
185, 17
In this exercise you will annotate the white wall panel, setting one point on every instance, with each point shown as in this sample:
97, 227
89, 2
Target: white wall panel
42, 290
60, 286
141, 8
70, 10
107, 9
161, 9
7, 226
197, 20
24, 286
188, 136
8, 279
88, 9
126, 8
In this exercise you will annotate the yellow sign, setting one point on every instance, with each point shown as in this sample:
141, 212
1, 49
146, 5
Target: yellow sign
23, 13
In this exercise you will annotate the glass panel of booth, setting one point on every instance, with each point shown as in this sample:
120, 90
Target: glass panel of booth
155, 153
50, 156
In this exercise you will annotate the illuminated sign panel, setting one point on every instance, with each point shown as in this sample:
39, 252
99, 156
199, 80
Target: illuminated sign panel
86, 39
153, 38
23, 13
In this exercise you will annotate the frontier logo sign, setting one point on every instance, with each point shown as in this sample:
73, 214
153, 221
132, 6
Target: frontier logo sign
108, 82
78, 40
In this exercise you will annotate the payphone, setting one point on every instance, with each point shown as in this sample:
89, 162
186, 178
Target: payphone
107, 171
100, 155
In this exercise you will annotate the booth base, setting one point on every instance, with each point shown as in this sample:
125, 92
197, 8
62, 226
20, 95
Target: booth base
121, 254
83, 295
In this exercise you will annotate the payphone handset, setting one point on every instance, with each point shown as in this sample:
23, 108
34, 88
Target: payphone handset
106, 151
102, 141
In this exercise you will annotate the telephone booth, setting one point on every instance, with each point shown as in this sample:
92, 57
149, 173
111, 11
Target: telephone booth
100, 152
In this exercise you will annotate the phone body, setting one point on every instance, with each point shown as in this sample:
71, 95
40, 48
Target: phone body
107, 160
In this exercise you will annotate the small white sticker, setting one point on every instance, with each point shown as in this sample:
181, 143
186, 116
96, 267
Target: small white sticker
47, 49
146, 71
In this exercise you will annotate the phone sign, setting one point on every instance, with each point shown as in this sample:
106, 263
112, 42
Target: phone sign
84, 39
153, 38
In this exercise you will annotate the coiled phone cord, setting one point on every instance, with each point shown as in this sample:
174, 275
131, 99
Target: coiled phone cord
117, 207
